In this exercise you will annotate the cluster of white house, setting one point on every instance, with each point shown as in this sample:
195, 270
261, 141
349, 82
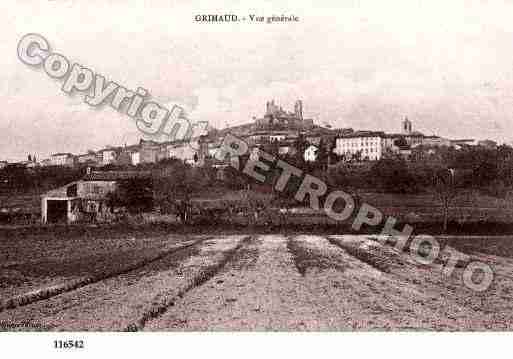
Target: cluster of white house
87, 199
351, 145
192, 152
358, 145
279, 129
373, 145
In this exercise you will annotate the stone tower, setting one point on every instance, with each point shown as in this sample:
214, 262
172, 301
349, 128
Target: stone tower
271, 108
406, 126
298, 109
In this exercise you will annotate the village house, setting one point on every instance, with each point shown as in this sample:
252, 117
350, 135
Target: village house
212, 149
268, 136
462, 143
181, 151
364, 145
310, 154
61, 159
286, 147
130, 155
436, 141
108, 155
45, 162
193, 151
89, 158
489, 144
254, 154
149, 151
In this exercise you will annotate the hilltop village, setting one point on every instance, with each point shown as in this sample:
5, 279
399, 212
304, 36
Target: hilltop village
76, 187
277, 126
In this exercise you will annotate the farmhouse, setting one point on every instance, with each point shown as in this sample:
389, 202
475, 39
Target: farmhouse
86, 199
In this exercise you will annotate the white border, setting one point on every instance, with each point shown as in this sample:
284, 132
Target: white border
262, 345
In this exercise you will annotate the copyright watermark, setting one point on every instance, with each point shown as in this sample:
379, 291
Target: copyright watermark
423, 249
152, 118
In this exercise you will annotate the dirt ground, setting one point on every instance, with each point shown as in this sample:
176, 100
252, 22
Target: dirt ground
251, 282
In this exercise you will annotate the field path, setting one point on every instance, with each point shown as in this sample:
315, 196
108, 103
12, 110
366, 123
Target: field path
261, 291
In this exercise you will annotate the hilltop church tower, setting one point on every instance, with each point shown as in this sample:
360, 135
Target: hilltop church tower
406, 126
298, 109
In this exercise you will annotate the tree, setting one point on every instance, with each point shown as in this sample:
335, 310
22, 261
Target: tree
322, 155
446, 187
333, 157
234, 178
392, 175
136, 194
505, 164
273, 148
300, 144
254, 205
175, 186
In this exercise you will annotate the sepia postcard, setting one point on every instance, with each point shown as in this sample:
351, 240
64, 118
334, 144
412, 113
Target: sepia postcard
230, 166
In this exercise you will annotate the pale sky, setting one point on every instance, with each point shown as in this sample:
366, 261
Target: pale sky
447, 65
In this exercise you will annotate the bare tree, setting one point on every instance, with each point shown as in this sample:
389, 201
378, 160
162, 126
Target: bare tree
446, 189
175, 186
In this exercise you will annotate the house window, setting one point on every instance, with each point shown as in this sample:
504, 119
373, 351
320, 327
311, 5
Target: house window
71, 191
